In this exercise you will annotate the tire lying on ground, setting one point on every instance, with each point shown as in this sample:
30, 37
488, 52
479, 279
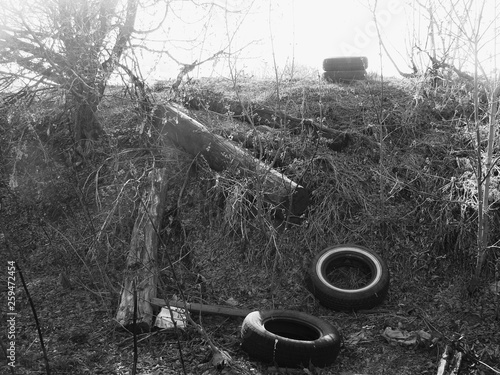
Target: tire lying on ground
345, 63
344, 75
349, 277
289, 338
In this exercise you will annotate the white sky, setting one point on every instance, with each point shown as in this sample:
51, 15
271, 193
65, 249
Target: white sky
306, 31
300, 31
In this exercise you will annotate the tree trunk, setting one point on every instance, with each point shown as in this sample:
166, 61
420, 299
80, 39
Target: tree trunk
85, 101
142, 256
86, 125
193, 137
484, 220
259, 115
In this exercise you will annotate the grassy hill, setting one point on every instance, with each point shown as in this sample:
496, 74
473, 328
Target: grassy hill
404, 186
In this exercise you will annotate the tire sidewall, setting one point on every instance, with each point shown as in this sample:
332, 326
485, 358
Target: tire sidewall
258, 319
269, 347
376, 288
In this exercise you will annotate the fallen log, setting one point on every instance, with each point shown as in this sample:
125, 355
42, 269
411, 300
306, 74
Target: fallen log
142, 268
248, 139
260, 115
286, 196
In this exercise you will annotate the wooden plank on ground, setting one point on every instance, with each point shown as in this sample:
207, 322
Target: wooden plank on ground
207, 309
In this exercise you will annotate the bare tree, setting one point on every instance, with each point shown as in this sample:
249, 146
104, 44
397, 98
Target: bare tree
74, 46
465, 42
71, 45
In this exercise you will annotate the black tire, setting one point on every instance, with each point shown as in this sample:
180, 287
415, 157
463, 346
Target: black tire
289, 338
345, 63
337, 287
345, 75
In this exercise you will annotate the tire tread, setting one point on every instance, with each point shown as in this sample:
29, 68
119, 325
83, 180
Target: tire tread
332, 64
344, 75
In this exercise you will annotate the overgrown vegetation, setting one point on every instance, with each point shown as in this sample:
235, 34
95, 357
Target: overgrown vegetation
463, 43
227, 250
418, 181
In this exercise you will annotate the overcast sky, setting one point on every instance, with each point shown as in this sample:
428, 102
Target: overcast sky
303, 31
256, 34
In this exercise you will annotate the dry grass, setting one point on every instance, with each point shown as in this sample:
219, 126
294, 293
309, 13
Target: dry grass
226, 245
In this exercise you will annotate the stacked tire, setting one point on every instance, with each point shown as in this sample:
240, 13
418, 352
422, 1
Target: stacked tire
345, 69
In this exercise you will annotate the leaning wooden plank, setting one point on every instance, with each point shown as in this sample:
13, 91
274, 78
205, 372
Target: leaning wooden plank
142, 255
207, 309
193, 137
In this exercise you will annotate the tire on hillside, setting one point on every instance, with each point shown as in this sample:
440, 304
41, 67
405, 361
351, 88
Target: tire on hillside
345, 63
289, 338
345, 76
349, 277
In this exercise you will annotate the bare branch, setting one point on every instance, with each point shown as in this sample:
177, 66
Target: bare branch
160, 24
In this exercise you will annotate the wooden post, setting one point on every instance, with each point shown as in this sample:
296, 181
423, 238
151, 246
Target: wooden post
142, 256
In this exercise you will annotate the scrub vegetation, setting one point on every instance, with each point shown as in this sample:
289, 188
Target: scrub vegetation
416, 178
67, 221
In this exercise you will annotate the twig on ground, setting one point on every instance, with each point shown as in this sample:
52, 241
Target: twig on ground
45, 357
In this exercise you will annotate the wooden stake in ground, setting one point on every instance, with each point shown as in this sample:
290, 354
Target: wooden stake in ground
171, 122
142, 256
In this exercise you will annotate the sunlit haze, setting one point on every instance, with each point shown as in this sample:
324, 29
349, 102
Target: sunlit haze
300, 33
